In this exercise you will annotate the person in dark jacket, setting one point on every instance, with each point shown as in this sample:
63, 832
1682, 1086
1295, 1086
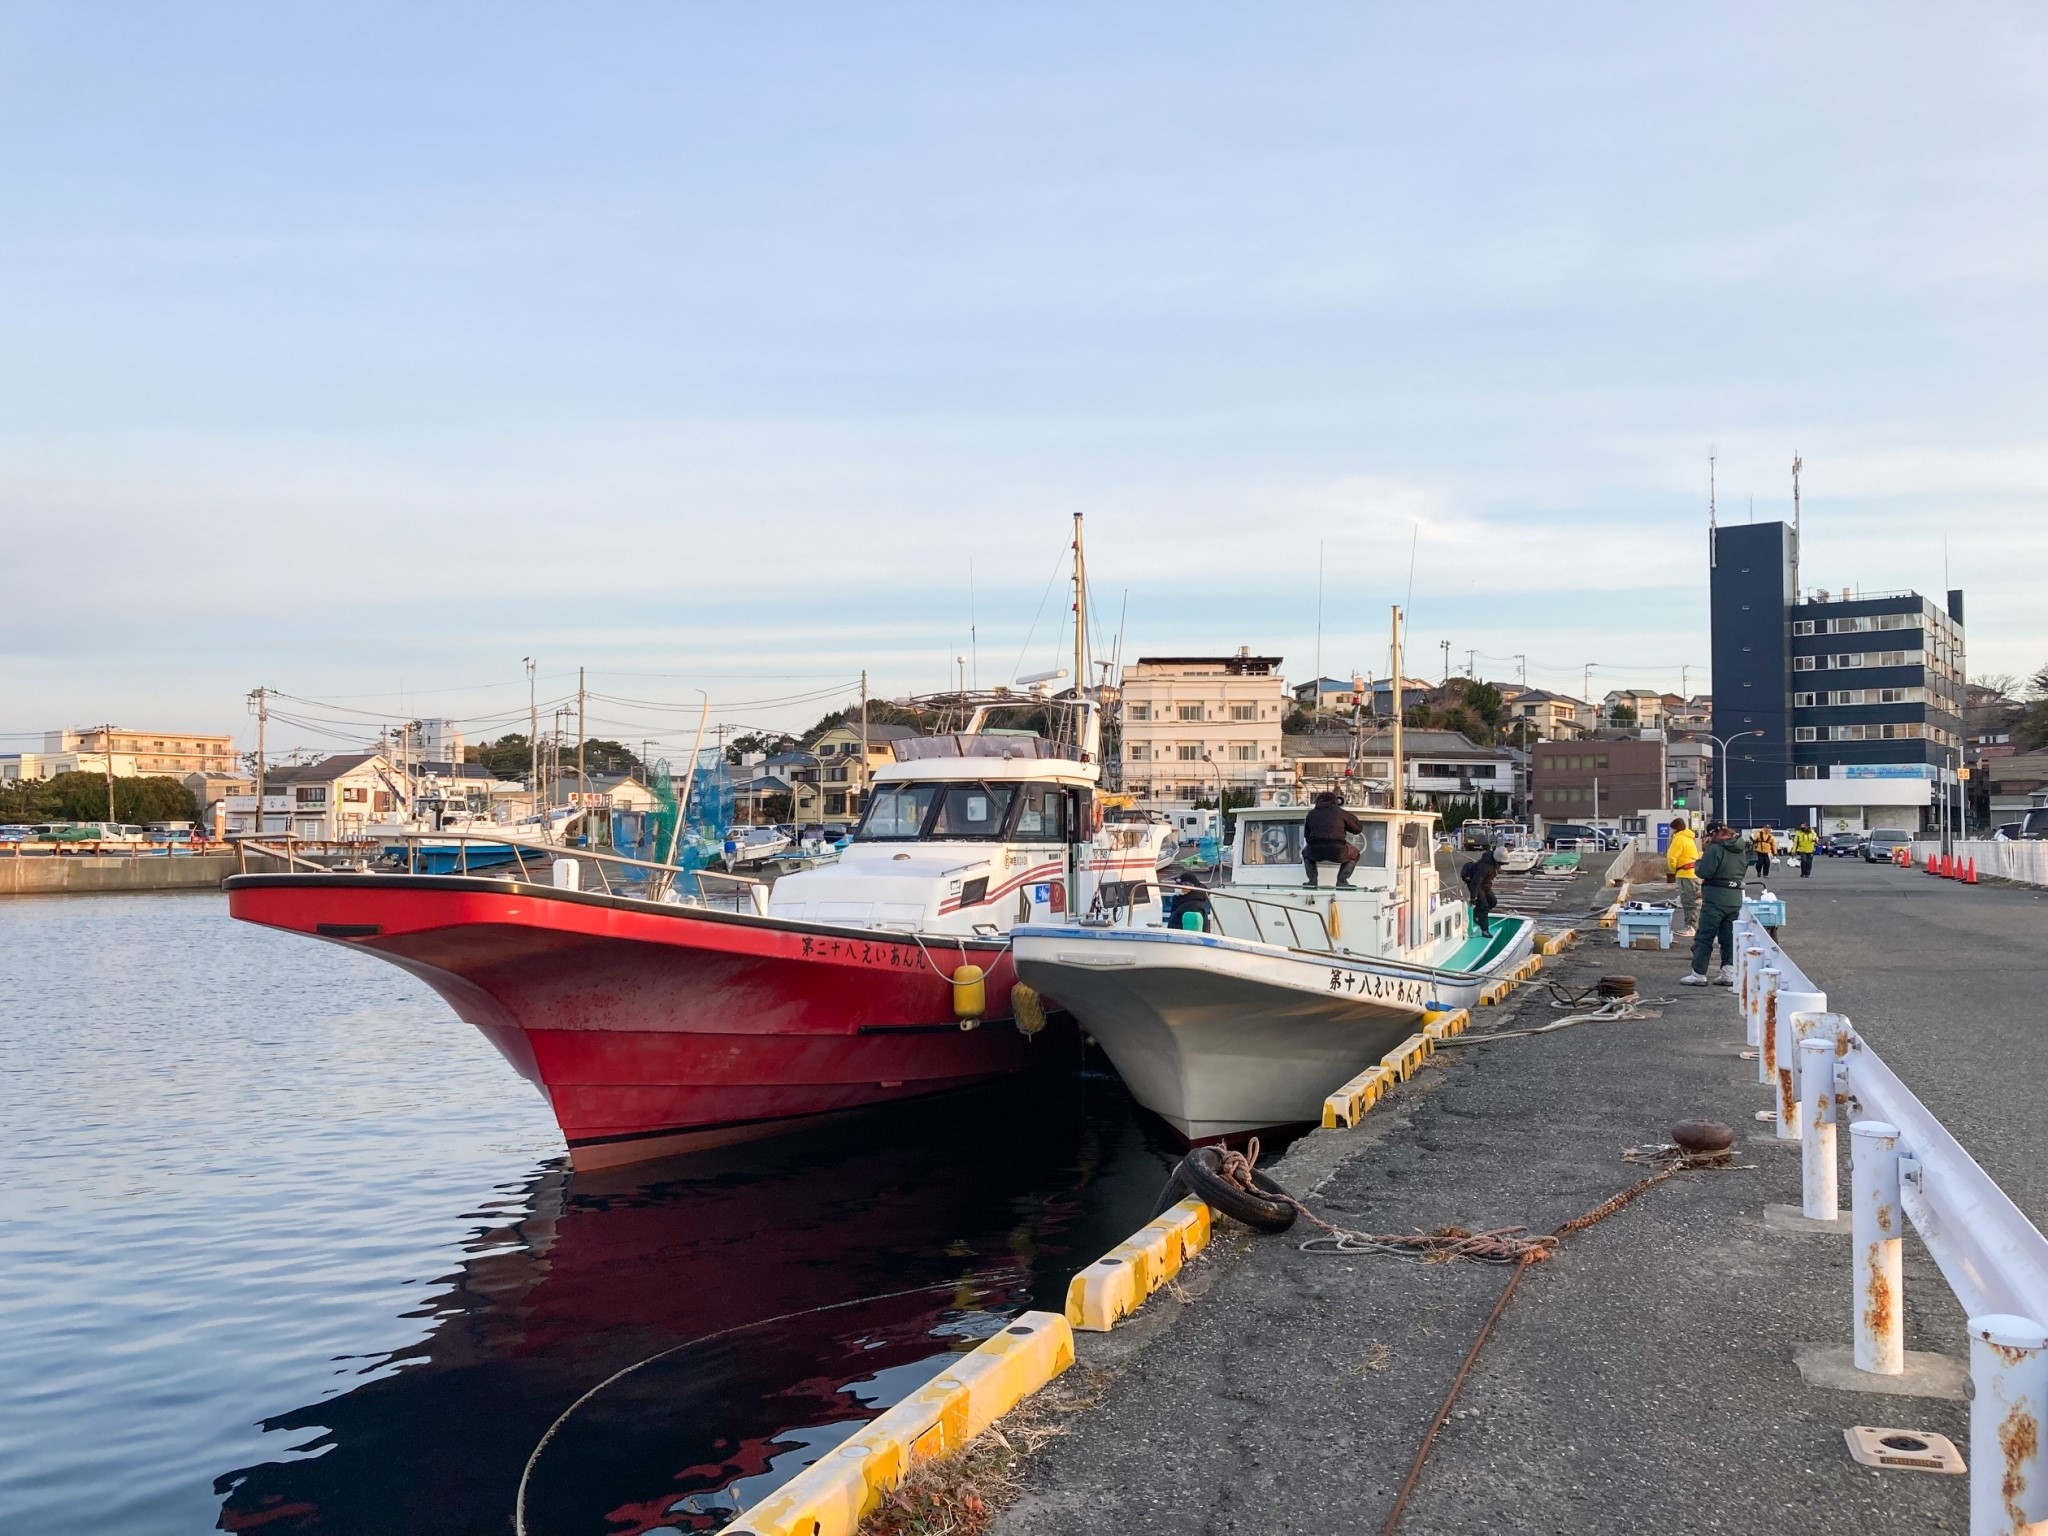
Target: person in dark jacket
1478, 877
1325, 838
1191, 897
1722, 868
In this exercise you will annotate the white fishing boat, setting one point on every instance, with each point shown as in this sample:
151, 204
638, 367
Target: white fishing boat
1283, 991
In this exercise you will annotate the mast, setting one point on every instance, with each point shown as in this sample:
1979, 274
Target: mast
1081, 733
1400, 797
1797, 464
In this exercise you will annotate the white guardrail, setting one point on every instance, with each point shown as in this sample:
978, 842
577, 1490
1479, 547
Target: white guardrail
1905, 1167
2026, 862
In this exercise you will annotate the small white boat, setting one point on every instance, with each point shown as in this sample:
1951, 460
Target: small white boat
751, 847
1518, 853
1288, 990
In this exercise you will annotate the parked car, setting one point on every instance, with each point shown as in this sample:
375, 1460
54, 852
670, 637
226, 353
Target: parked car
2005, 832
1570, 834
1883, 843
2034, 827
1844, 845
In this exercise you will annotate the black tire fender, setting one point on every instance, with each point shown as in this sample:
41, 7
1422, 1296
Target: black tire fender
1265, 1208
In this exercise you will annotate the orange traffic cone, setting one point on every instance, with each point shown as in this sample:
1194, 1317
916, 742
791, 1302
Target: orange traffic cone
1970, 873
1934, 864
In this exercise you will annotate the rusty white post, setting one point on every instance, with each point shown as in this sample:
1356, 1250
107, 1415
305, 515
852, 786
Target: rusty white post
1763, 1033
1877, 1224
2008, 1412
1749, 979
1792, 1008
1819, 1198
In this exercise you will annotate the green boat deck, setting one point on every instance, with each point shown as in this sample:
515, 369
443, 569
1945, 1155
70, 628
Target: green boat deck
1481, 950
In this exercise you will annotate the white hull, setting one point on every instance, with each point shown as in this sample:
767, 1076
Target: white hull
1219, 1036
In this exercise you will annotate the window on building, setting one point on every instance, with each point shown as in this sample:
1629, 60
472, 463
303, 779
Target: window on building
1600, 760
1806, 771
1139, 752
1846, 659
1188, 754
1805, 663
1191, 711
1803, 627
1846, 696
1804, 733
1244, 711
1244, 754
1141, 711
1803, 700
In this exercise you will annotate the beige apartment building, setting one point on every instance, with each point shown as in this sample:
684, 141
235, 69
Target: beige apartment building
175, 753
1192, 722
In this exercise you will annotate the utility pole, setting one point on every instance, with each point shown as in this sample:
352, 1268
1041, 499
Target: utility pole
1447, 659
1471, 671
862, 786
581, 786
1525, 668
262, 698
532, 734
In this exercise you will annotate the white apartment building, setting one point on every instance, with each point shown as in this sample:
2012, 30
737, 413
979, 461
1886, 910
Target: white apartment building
1192, 723
135, 754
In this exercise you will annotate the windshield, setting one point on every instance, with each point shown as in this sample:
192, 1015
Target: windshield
897, 811
972, 810
1272, 842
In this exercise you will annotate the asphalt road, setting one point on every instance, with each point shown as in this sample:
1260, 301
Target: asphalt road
1950, 983
1643, 1379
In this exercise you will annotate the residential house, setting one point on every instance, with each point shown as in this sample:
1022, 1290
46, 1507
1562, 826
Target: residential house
1440, 768
1193, 725
1549, 716
332, 800
829, 781
2012, 782
212, 792
1331, 695
1647, 705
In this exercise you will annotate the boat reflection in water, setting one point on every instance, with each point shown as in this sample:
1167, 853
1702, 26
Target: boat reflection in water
988, 1201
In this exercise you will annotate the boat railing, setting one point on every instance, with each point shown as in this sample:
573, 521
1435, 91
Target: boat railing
1261, 922
617, 874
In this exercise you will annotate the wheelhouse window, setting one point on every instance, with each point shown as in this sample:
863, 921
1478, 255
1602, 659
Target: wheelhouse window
1041, 814
896, 812
1272, 842
972, 810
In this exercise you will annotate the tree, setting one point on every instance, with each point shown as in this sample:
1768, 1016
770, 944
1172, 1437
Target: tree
765, 742
2031, 729
1623, 715
83, 797
509, 757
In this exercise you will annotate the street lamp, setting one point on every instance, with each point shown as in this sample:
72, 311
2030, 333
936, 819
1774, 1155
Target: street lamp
1722, 743
1210, 758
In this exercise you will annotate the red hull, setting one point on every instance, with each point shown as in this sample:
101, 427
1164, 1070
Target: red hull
655, 1029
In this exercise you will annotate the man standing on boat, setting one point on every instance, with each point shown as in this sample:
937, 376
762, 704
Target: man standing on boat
1478, 876
1681, 864
1721, 869
1326, 838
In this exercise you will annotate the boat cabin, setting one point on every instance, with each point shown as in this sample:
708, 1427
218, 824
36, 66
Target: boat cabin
1393, 908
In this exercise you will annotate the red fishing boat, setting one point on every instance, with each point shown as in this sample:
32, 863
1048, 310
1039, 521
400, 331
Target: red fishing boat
656, 1026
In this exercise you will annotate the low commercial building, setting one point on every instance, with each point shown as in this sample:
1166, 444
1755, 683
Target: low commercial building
1606, 777
1194, 725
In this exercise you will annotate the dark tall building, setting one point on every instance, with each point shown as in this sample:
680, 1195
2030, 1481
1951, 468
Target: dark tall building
1856, 700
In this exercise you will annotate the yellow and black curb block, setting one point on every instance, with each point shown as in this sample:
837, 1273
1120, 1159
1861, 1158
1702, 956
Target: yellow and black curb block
1501, 989
1613, 914
1117, 1284
832, 1495
1557, 943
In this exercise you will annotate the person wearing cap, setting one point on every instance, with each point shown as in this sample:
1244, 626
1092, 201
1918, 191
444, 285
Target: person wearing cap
1805, 843
1722, 866
1326, 840
1478, 876
1681, 860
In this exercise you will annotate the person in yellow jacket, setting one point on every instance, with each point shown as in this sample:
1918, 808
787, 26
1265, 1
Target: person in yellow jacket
1762, 844
1805, 843
1681, 860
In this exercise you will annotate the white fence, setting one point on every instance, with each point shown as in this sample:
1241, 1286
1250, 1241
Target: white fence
2026, 861
1905, 1167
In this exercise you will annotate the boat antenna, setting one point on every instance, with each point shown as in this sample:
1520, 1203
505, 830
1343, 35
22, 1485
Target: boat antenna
1318, 701
1399, 797
973, 633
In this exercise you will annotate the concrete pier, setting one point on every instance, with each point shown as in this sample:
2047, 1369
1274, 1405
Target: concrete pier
77, 874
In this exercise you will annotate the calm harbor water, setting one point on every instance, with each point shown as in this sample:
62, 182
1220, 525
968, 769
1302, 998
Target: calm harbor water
286, 1247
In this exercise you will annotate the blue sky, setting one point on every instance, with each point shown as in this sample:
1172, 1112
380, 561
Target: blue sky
361, 351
